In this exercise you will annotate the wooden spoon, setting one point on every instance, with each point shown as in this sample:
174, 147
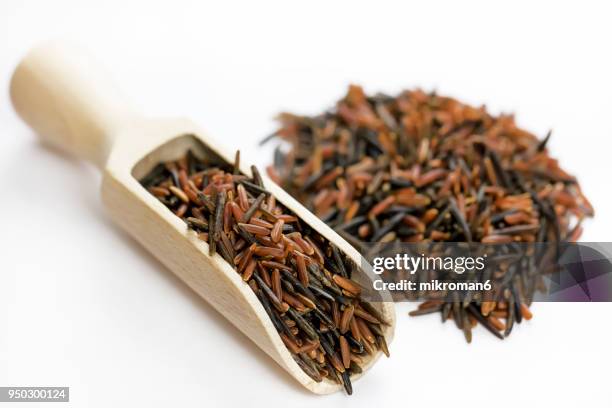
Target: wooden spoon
65, 97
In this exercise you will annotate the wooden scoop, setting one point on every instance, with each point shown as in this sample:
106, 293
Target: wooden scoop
67, 100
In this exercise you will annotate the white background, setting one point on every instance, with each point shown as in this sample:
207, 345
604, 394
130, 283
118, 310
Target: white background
82, 305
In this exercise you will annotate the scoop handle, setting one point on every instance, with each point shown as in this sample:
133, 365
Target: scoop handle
66, 97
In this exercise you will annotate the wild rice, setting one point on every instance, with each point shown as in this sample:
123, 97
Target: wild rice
423, 167
303, 281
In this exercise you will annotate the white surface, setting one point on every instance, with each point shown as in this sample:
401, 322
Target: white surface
82, 305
